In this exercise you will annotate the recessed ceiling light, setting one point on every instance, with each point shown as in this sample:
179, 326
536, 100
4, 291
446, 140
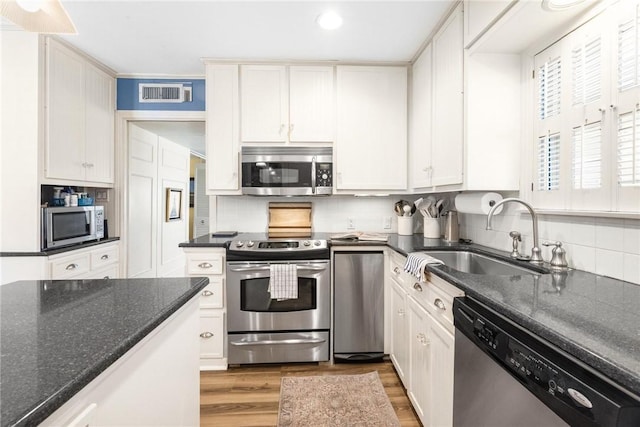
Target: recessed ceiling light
329, 20
554, 5
30, 5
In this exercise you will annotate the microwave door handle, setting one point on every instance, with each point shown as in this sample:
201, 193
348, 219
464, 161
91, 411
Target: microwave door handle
313, 175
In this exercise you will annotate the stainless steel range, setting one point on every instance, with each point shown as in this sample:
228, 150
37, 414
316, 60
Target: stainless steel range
264, 328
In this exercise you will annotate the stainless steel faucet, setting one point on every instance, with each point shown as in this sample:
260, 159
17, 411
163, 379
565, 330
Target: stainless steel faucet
536, 255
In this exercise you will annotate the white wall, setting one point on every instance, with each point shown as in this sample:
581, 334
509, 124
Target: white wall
604, 246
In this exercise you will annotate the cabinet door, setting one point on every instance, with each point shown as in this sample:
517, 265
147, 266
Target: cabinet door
65, 113
441, 355
264, 104
311, 104
420, 138
400, 346
99, 122
223, 126
420, 367
447, 149
372, 128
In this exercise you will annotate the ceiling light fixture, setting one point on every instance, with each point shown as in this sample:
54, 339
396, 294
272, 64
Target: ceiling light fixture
38, 16
329, 20
558, 5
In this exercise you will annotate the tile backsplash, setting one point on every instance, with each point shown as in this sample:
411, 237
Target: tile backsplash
605, 246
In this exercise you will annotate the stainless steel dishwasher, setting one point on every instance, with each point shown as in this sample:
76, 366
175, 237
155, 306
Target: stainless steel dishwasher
505, 377
358, 329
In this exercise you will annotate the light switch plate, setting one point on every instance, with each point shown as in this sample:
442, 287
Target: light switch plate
386, 223
350, 224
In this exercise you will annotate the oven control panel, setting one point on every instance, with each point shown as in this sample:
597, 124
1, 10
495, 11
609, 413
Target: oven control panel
278, 245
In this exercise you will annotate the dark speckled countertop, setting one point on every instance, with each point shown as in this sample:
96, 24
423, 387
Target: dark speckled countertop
57, 336
594, 318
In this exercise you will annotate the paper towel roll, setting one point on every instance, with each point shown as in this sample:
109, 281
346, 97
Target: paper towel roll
477, 203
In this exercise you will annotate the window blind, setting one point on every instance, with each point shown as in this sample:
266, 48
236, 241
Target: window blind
586, 64
629, 52
549, 82
629, 148
549, 162
587, 156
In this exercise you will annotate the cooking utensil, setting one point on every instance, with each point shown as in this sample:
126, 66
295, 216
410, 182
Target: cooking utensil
407, 210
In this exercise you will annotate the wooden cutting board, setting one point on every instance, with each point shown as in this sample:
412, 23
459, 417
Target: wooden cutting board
290, 219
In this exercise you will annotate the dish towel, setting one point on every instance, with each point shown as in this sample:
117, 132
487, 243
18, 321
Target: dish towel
417, 262
283, 281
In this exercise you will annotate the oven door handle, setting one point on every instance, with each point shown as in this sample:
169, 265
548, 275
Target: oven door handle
265, 267
280, 342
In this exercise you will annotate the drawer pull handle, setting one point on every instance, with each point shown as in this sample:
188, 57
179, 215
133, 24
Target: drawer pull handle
206, 335
106, 277
105, 256
207, 293
438, 303
417, 287
71, 266
205, 265
396, 270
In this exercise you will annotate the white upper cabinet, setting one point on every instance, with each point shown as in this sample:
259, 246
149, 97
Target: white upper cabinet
264, 103
448, 80
371, 144
223, 126
79, 130
311, 103
286, 104
420, 122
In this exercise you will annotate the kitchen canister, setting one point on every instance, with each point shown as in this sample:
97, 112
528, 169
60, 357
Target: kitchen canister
431, 228
405, 225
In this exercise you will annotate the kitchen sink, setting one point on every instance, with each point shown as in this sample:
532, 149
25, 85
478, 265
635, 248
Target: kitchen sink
473, 263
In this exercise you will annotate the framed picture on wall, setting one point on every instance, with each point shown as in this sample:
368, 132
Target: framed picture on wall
174, 204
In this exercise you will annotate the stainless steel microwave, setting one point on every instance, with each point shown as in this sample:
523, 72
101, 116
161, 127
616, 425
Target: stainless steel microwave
65, 226
287, 171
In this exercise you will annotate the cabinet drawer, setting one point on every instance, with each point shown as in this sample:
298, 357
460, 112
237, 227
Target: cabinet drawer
418, 290
109, 272
205, 264
70, 266
211, 333
104, 256
440, 305
211, 295
396, 267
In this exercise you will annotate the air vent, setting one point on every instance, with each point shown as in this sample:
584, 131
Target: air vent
165, 92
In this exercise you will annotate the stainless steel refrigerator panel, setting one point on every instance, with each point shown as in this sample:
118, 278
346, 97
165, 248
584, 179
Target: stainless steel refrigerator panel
359, 302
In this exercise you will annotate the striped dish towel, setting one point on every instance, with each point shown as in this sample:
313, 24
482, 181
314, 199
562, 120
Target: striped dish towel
417, 262
283, 281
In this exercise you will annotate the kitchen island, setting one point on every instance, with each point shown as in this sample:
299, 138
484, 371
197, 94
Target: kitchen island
113, 352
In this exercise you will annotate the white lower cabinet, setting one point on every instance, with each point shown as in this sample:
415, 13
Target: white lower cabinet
210, 263
96, 262
422, 335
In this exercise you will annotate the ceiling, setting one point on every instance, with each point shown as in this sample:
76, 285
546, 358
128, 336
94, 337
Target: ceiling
187, 134
168, 37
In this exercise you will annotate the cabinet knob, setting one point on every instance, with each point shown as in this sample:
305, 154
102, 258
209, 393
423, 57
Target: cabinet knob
206, 335
401, 312
439, 304
417, 287
71, 266
207, 293
205, 265
396, 270
105, 256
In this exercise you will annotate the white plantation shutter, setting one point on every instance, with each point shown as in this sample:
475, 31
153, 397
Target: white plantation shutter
587, 156
629, 51
549, 162
629, 148
549, 88
586, 72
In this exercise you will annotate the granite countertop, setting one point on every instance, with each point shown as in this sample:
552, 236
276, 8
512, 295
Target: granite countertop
55, 251
594, 318
57, 336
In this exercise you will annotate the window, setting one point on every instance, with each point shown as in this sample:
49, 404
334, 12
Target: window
550, 88
628, 51
587, 156
549, 162
629, 148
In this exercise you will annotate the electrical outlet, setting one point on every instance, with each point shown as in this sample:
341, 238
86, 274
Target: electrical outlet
350, 224
386, 223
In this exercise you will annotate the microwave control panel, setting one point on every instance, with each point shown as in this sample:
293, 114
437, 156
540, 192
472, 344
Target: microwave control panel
324, 175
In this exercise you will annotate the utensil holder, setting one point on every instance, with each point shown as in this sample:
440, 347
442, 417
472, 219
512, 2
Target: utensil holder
431, 228
405, 225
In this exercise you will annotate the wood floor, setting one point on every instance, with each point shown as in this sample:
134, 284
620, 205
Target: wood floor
248, 395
